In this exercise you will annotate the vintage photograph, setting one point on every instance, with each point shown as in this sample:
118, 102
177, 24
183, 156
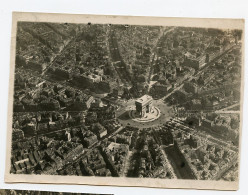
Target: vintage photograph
29, 192
121, 100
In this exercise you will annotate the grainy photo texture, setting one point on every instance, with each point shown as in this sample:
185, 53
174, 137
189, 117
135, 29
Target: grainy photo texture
122, 100
29, 192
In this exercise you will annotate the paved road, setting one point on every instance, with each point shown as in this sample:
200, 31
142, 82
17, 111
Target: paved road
168, 164
58, 55
127, 164
120, 66
228, 112
225, 110
154, 50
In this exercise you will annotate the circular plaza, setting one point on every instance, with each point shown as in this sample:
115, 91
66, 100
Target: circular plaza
151, 116
134, 113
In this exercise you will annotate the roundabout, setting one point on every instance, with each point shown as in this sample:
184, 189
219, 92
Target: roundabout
159, 114
151, 116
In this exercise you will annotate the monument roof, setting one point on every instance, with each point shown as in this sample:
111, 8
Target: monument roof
144, 99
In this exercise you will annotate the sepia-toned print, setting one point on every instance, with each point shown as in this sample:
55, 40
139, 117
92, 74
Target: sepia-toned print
30, 192
144, 105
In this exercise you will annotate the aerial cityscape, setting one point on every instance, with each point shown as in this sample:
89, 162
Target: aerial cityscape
127, 101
